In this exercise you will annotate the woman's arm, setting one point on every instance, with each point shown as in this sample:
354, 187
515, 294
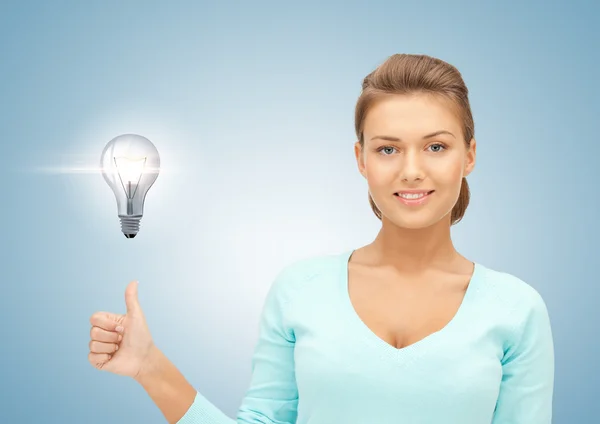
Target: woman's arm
272, 395
527, 385
167, 387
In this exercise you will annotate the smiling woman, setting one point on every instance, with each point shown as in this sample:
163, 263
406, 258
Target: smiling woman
415, 94
402, 330
414, 156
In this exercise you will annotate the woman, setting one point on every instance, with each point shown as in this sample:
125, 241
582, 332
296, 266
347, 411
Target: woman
402, 330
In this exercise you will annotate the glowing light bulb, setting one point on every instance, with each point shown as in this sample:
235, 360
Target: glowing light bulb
130, 164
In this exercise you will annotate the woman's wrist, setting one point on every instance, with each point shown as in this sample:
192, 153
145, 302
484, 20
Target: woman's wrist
165, 385
151, 366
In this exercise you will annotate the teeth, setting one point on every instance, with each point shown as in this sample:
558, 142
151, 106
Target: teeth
411, 196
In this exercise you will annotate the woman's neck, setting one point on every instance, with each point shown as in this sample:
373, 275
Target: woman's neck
414, 250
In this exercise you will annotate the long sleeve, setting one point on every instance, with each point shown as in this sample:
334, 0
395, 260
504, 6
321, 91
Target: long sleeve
311, 340
272, 397
526, 389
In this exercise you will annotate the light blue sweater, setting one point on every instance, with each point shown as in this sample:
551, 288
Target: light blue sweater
316, 362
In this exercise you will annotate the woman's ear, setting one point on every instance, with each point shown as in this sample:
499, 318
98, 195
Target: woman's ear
360, 159
471, 156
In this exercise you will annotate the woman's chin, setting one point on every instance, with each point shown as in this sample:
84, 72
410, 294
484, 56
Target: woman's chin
415, 222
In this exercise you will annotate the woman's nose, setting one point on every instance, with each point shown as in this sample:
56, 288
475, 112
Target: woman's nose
412, 169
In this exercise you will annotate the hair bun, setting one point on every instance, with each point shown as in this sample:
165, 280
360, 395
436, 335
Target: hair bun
366, 82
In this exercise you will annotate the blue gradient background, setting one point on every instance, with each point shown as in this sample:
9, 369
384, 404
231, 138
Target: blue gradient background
251, 106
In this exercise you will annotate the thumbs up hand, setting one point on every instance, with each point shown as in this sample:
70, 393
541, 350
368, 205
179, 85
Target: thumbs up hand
121, 344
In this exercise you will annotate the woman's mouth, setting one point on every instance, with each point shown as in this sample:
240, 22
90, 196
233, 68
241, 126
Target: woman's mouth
413, 198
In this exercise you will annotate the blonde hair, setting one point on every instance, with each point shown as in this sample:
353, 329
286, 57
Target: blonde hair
412, 74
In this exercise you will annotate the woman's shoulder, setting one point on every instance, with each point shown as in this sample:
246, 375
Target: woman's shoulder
510, 293
314, 269
309, 267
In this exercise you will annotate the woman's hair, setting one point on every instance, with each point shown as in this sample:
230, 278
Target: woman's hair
411, 74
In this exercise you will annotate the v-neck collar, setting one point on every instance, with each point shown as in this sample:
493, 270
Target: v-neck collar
418, 347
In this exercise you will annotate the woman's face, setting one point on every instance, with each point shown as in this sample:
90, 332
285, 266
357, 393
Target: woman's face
414, 143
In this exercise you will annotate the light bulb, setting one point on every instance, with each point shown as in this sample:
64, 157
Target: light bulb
130, 164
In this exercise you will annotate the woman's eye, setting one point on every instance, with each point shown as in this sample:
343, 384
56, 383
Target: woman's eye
437, 147
387, 150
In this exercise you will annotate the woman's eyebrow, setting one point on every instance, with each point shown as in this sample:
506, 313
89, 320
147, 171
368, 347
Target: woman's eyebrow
433, 134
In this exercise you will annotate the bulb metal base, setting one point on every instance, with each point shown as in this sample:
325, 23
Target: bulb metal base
130, 225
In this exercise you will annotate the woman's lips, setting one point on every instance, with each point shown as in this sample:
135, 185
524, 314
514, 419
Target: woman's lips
423, 196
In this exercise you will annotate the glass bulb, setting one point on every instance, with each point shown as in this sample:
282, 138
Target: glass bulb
130, 164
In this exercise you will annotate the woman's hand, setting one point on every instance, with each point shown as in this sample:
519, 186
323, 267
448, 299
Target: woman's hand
121, 344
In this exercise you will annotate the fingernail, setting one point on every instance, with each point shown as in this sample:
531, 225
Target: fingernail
116, 347
119, 329
119, 338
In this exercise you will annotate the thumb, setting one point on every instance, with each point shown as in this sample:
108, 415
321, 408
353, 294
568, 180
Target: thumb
131, 298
